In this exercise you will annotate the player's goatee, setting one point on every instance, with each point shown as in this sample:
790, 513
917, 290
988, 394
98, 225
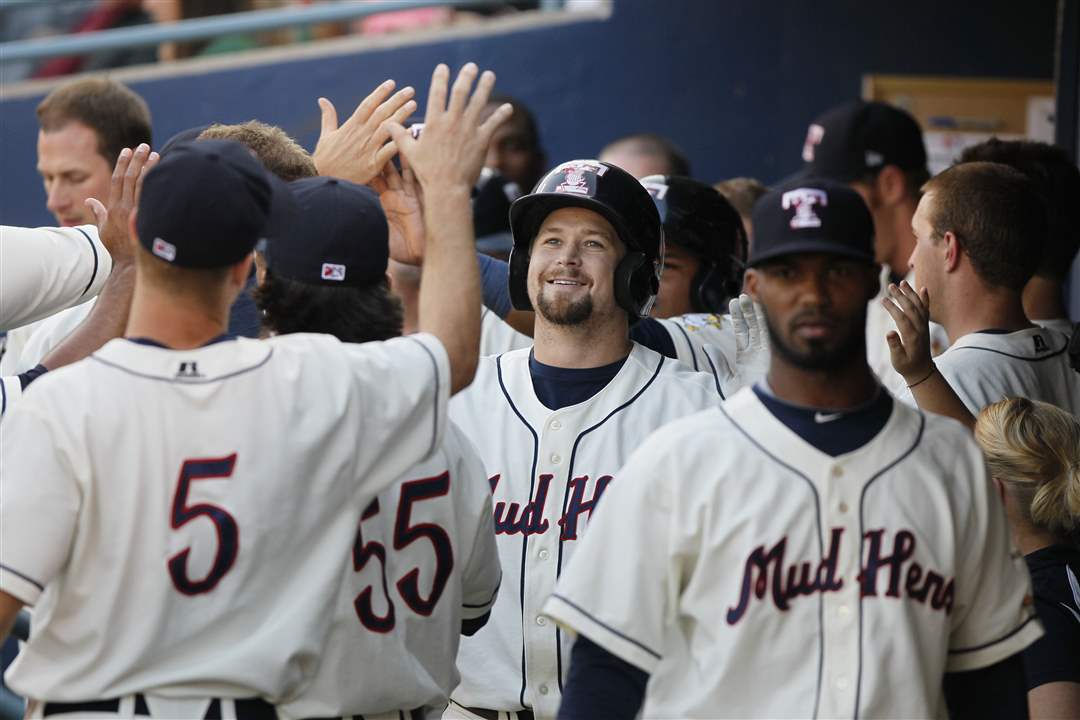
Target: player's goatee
824, 354
573, 312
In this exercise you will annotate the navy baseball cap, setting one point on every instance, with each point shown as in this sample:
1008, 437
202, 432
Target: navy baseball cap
339, 236
854, 140
207, 203
812, 216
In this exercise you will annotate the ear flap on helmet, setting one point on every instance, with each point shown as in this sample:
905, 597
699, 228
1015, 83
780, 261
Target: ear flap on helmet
636, 284
519, 278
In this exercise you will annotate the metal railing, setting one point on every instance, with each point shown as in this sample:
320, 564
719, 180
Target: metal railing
199, 28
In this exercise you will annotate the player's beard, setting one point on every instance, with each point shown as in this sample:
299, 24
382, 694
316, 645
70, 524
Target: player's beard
564, 312
820, 355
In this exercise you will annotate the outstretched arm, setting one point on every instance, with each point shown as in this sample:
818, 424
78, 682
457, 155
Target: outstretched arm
446, 160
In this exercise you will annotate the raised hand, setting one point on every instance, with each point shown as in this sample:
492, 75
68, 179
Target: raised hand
751, 339
402, 202
124, 188
449, 153
909, 345
358, 149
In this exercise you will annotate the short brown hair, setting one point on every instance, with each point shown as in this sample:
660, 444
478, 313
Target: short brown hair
278, 152
1058, 179
116, 114
742, 193
997, 216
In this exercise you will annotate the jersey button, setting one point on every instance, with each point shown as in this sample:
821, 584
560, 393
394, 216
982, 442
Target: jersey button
543, 689
541, 620
841, 683
556, 458
555, 425
837, 471
843, 611
544, 555
842, 507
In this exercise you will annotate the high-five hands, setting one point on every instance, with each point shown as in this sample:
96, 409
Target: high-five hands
124, 187
358, 149
449, 153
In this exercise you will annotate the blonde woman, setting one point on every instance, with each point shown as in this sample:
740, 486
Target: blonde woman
1033, 452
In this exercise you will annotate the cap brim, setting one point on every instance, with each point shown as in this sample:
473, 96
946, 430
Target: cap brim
527, 213
806, 247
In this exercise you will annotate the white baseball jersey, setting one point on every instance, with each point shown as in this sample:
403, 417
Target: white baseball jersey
178, 518
28, 345
753, 575
496, 336
1062, 325
423, 560
44, 270
984, 368
548, 469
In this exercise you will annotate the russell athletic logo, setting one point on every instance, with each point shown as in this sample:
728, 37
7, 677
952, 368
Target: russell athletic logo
804, 200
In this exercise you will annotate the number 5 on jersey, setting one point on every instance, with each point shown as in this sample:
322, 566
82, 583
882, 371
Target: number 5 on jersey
228, 536
405, 534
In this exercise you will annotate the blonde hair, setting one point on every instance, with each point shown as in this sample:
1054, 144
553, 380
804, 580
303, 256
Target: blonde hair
1034, 449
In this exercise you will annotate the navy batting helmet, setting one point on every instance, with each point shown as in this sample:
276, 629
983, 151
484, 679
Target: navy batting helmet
700, 219
622, 201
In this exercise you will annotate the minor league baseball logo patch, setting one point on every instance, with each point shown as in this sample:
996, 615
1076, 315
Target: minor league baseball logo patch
804, 200
814, 135
164, 250
576, 178
330, 271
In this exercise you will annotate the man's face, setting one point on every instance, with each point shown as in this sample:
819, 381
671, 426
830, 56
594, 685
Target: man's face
72, 170
926, 259
815, 305
572, 267
511, 152
680, 268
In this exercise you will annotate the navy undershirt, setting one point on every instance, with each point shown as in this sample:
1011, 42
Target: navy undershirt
842, 431
653, 335
559, 387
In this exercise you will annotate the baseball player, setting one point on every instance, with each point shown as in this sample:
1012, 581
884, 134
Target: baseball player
212, 595
876, 149
705, 247
554, 421
423, 568
830, 537
979, 227
34, 263
1057, 179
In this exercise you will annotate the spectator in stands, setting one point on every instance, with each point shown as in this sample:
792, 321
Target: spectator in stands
84, 125
516, 151
104, 15
1031, 450
742, 193
979, 229
646, 154
1058, 179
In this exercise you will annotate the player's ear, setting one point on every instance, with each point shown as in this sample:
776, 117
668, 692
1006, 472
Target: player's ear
390, 282
260, 267
953, 251
891, 185
750, 282
241, 271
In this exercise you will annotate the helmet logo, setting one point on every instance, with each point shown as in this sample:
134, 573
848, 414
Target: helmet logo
814, 135
804, 200
575, 178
